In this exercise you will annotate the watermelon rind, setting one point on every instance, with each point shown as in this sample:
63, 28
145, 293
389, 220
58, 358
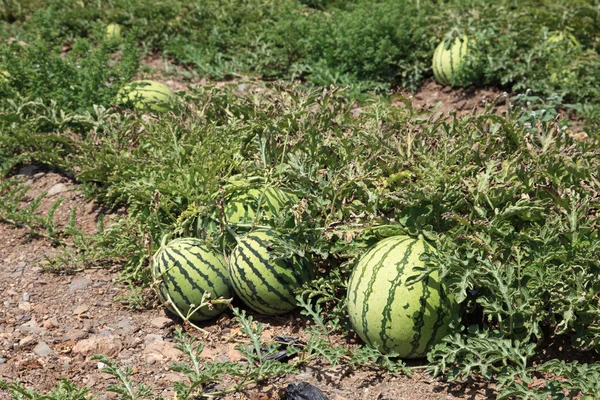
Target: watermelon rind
146, 95
387, 312
449, 59
185, 269
264, 282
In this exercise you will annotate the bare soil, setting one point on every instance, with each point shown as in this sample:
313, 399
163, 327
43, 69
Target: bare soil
52, 324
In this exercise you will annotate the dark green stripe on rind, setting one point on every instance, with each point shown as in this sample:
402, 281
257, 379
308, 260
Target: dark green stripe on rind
387, 317
389, 248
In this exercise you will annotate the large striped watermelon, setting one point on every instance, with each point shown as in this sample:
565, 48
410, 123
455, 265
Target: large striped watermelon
385, 311
186, 268
449, 59
265, 283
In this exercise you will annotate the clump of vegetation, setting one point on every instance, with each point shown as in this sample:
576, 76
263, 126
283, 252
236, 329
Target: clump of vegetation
509, 201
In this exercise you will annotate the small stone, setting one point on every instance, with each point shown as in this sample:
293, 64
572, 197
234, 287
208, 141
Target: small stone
26, 296
80, 309
39, 175
2, 360
26, 341
6, 303
101, 365
125, 324
108, 345
151, 338
42, 349
57, 189
161, 351
25, 306
31, 326
80, 282
74, 335
161, 322
50, 323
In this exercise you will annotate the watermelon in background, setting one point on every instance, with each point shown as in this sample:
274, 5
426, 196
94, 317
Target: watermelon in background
185, 269
449, 59
385, 311
146, 95
264, 282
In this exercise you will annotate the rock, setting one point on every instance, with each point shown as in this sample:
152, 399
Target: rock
75, 334
161, 322
95, 344
124, 324
80, 282
151, 338
57, 189
26, 296
26, 341
80, 309
50, 323
233, 354
161, 351
42, 349
2, 360
25, 306
31, 326
18, 270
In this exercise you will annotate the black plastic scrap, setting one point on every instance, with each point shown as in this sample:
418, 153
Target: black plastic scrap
284, 342
304, 391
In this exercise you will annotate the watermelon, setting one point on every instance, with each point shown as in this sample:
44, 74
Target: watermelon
448, 60
242, 208
387, 312
113, 32
264, 283
146, 95
185, 269
4, 76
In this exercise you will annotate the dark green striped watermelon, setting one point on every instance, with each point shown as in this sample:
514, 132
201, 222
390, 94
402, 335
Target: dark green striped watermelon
449, 59
186, 268
264, 283
385, 311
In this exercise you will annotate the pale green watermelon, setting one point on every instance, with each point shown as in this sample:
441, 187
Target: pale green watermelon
386, 312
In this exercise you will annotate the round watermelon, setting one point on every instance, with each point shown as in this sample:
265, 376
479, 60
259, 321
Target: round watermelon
264, 282
256, 205
185, 269
146, 95
244, 207
449, 58
4, 76
113, 32
385, 311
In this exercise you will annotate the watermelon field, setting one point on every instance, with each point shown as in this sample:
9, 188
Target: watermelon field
299, 199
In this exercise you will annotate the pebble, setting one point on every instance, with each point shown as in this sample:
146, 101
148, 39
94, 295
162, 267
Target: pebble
25, 306
80, 309
57, 189
26, 296
80, 282
42, 349
2, 360
27, 340
161, 322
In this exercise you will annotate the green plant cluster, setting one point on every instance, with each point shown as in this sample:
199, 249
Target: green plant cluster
370, 46
510, 202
